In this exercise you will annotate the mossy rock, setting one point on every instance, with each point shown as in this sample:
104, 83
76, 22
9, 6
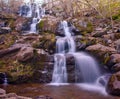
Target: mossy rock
116, 16
85, 30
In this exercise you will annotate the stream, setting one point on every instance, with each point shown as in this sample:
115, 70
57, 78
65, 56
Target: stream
70, 91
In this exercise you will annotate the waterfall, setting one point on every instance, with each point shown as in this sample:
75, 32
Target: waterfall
5, 79
86, 68
33, 11
36, 19
33, 26
59, 73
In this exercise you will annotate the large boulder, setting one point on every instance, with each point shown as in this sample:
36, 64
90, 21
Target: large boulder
100, 50
22, 24
103, 53
25, 54
48, 24
113, 86
47, 42
9, 50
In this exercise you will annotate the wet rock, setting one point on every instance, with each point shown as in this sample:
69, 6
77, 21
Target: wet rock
43, 73
70, 59
2, 76
115, 58
71, 73
25, 54
2, 24
113, 86
116, 67
4, 30
43, 97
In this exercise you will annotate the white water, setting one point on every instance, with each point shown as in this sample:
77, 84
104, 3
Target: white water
36, 13
5, 80
86, 67
59, 73
33, 25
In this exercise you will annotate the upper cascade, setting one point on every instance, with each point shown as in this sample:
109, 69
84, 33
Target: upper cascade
34, 11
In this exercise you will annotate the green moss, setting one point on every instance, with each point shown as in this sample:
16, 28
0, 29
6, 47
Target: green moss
20, 70
89, 27
41, 24
106, 58
11, 24
36, 45
116, 16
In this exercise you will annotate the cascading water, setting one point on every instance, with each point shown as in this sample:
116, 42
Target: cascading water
36, 19
86, 68
33, 26
34, 11
59, 73
5, 79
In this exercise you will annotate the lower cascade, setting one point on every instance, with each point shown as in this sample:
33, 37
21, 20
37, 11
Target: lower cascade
86, 68
59, 73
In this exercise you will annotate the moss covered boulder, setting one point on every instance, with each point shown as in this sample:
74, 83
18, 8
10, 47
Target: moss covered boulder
48, 24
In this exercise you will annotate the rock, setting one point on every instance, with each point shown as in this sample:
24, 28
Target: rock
113, 86
43, 97
9, 50
3, 95
22, 24
115, 58
116, 67
11, 95
21, 97
48, 42
117, 45
48, 24
2, 23
43, 73
100, 49
25, 54
2, 76
99, 33
4, 30
70, 59
2, 92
